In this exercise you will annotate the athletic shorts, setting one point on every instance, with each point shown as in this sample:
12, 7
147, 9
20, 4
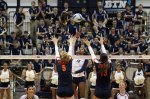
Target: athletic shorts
77, 80
102, 92
92, 87
29, 83
4, 85
65, 90
53, 86
114, 85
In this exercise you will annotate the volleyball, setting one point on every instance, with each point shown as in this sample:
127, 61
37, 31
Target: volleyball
77, 17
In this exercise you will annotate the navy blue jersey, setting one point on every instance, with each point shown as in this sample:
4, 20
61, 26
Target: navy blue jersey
19, 17
64, 73
103, 79
3, 5
33, 11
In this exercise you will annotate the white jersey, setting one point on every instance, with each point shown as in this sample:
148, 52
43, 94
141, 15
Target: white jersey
4, 76
25, 97
54, 78
119, 76
93, 79
139, 73
30, 75
77, 65
119, 96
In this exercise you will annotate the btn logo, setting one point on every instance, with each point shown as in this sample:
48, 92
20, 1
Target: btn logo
115, 4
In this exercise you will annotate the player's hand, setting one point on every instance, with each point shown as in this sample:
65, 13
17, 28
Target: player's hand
101, 40
87, 42
55, 40
72, 40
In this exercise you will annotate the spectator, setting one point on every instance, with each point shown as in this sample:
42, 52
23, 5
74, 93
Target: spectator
72, 28
102, 29
26, 43
54, 16
123, 42
30, 94
143, 46
128, 33
122, 92
41, 31
135, 41
3, 5
85, 14
95, 44
3, 20
37, 66
32, 13
48, 14
66, 7
10, 39
15, 48
120, 22
113, 36
140, 15
114, 49
128, 16
128, 48
2, 45
49, 63
40, 13
146, 64
18, 20
100, 14
39, 50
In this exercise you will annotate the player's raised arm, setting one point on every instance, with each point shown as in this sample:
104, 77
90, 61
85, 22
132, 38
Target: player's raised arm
72, 41
103, 50
90, 50
57, 55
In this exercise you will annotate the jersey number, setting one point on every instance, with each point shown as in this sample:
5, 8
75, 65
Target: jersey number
104, 73
63, 68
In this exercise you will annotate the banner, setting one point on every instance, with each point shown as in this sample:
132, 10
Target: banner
114, 6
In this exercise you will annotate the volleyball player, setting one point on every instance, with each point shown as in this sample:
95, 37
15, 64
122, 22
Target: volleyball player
54, 82
78, 74
64, 67
5, 77
103, 72
29, 76
92, 82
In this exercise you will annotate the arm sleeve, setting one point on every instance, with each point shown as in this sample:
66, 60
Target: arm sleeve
92, 53
70, 52
83, 67
103, 50
57, 55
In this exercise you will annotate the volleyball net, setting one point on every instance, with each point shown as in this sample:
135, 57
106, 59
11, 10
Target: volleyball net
45, 57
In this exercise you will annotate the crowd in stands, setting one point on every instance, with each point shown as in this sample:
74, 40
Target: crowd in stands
124, 34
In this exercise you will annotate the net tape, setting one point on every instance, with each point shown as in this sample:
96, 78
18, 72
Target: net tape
30, 57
